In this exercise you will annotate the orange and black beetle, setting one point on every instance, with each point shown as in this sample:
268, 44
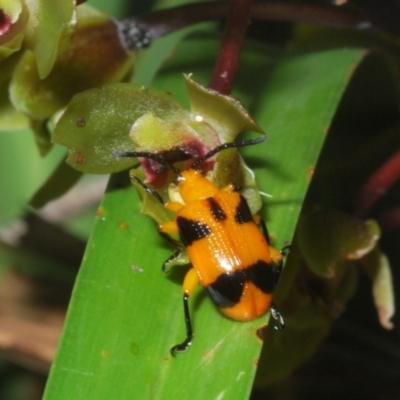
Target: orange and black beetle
230, 256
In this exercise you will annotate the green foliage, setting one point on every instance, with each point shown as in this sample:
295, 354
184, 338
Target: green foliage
120, 284
67, 76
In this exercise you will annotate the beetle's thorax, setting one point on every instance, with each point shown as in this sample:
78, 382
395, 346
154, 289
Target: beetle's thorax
194, 186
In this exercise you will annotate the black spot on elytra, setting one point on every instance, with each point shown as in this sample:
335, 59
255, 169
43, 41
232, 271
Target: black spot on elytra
243, 213
216, 210
190, 230
227, 289
262, 275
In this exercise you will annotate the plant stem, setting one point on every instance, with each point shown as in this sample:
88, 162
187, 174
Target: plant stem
231, 46
377, 185
162, 22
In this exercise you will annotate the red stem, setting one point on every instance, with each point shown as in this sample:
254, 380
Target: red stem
377, 185
231, 46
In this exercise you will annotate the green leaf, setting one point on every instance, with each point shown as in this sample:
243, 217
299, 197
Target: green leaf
125, 314
225, 113
97, 122
327, 236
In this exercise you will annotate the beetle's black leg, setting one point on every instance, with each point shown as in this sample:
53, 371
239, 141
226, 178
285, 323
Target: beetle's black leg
169, 239
149, 190
277, 316
176, 254
179, 348
285, 250
173, 256
277, 271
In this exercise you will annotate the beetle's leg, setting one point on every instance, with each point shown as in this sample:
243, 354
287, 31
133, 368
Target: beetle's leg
175, 243
279, 261
166, 228
285, 250
149, 190
169, 239
189, 285
176, 254
173, 206
172, 257
179, 348
276, 255
277, 316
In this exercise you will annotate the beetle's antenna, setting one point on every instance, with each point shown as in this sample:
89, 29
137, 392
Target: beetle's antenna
224, 146
161, 160
155, 157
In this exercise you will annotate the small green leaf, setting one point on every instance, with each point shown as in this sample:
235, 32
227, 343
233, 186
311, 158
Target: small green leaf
328, 236
225, 113
376, 266
97, 122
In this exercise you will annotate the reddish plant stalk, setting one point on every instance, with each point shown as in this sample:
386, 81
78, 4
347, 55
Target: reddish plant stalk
164, 21
231, 46
377, 185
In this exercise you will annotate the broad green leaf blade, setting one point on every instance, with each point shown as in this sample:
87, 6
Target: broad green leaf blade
125, 314
128, 326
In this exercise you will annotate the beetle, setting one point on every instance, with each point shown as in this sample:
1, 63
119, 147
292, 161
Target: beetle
230, 256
